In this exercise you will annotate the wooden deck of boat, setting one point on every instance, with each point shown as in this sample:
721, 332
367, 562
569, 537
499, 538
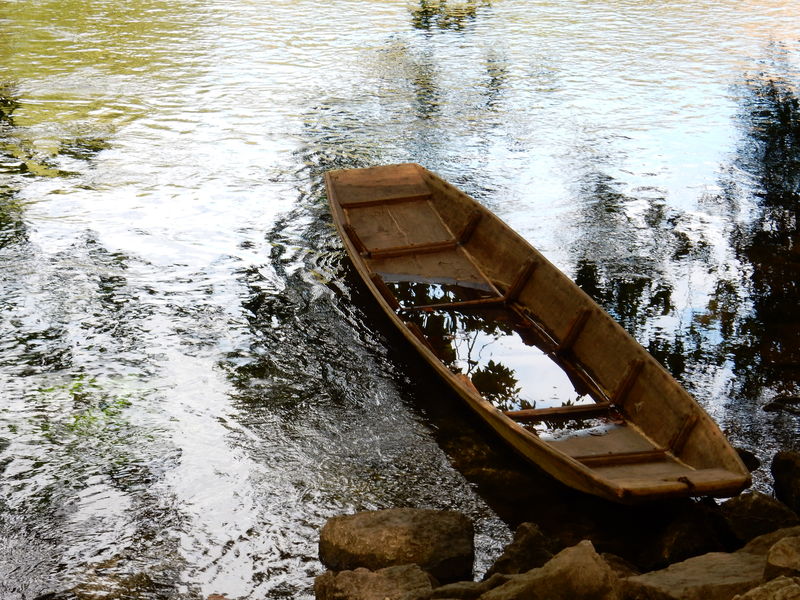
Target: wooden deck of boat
404, 223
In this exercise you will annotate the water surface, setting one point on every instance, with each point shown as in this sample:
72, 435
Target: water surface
191, 379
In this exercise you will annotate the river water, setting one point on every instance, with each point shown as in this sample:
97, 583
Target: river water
192, 381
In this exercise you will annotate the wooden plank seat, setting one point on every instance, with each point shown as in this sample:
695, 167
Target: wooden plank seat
395, 251
426, 248
573, 411
499, 300
620, 447
388, 200
624, 458
360, 187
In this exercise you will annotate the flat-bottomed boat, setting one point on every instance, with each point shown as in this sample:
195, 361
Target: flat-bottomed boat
525, 348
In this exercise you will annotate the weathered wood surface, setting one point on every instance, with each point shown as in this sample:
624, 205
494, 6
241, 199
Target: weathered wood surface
403, 223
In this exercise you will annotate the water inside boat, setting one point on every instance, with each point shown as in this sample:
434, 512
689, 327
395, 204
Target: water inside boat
504, 359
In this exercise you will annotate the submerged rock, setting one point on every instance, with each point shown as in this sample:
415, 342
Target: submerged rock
441, 542
790, 404
402, 582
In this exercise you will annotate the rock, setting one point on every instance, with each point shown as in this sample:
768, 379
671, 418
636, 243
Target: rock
783, 404
575, 573
619, 565
441, 542
749, 459
781, 407
782, 588
468, 590
752, 514
786, 475
712, 576
783, 558
695, 529
528, 550
402, 582
763, 543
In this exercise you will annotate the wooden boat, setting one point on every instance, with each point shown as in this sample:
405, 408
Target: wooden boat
455, 279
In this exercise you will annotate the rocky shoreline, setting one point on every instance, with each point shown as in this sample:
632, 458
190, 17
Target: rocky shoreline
747, 547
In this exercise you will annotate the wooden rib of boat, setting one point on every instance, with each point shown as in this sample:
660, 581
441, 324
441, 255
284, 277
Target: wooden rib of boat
454, 279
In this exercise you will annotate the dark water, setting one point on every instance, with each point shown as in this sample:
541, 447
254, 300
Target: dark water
191, 380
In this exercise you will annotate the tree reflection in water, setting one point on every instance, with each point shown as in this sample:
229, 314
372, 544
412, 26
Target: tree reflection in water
496, 382
12, 228
440, 14
504, 360
766, 341
748, 330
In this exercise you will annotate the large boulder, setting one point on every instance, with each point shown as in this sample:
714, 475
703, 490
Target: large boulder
576, 573
783, 558
402, 582
441, 542
782, 588
753, 514
786, 475
528, 550
712, 576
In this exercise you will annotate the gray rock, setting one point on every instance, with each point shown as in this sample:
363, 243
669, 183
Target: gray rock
782, 588
753, 514
441, 542
763, 543
786, 475
783, 558
403, 582
528, 550
576, 573
712, 576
